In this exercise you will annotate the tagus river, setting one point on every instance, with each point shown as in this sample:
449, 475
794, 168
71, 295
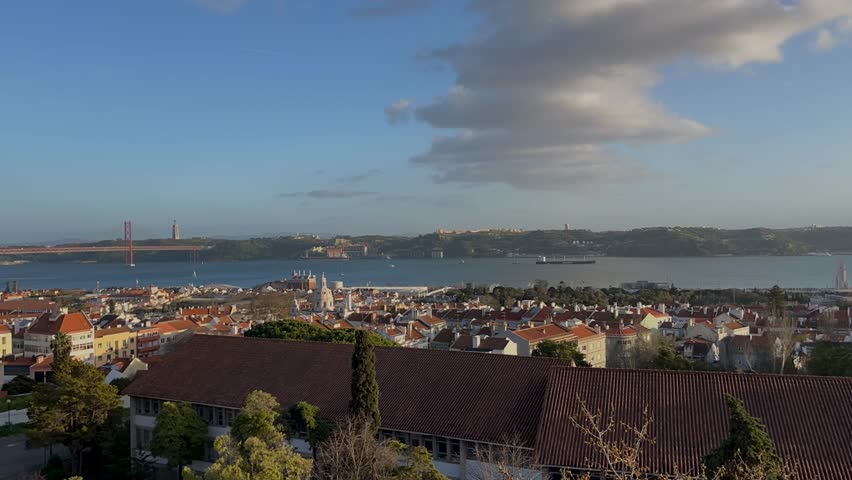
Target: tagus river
690, 272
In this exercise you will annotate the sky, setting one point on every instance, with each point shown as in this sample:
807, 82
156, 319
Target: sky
255, 117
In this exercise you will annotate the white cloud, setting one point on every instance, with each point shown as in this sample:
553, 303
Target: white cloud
825, 40
545, 88
398, 112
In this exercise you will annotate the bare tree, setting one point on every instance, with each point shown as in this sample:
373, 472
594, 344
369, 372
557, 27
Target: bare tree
510, 461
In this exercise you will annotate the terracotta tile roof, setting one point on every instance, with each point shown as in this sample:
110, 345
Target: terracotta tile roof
654, 313
794, 409
545, 332
734, 325
453, 394
174, 325
110, 331
5, 330
65, 323
584, 331
28, 305
444, 336
493, 343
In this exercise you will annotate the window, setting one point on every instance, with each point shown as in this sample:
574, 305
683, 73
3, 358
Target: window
455, 450
428, 442
143, 438
220, 417
442, 452
229, 417
146, 406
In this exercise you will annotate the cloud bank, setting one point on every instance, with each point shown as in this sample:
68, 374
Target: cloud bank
546, 89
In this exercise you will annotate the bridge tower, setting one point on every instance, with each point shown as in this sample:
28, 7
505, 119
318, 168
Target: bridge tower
128, 241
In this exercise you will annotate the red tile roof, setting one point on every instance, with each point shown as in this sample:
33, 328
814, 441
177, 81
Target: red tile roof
110, 331
584, 331
807, 417
453, 394
545, 332
65, 323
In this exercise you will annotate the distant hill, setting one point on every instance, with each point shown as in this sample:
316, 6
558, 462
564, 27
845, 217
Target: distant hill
645, 242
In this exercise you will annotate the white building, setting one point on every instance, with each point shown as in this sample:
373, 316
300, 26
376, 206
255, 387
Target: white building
323, 297
40, 335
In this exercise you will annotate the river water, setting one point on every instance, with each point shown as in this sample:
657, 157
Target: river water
691, 272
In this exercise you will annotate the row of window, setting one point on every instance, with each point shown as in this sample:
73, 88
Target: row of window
214, 416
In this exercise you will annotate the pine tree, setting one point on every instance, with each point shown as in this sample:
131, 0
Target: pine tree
61, 346
365, 387
748, 448
71, 409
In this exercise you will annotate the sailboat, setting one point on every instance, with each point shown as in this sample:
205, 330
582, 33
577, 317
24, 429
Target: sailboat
194, 274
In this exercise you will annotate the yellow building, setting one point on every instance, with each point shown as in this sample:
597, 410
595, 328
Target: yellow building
112, 343
5, 341
592, 344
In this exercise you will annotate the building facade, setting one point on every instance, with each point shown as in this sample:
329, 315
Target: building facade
39, 336
113, 343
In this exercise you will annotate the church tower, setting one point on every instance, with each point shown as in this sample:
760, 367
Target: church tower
323, 298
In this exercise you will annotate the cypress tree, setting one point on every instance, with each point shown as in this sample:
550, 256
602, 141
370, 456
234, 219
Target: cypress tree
748, 447
365, 388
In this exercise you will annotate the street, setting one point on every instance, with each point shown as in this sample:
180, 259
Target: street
15, 459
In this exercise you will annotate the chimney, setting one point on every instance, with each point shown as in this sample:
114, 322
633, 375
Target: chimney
475, 340
597, 329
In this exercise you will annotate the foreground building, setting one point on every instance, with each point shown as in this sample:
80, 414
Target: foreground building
456, 403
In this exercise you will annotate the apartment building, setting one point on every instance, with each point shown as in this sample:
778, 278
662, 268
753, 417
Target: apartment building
39, 336
113, 343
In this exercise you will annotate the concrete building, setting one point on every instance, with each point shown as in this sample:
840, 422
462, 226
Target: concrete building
175, 231
6, 348
455, 404
528, 338
113, 343
591, 343
40, 335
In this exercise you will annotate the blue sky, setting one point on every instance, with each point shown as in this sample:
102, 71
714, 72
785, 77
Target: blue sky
252, 117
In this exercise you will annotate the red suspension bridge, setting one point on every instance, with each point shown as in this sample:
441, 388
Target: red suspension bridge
128, 248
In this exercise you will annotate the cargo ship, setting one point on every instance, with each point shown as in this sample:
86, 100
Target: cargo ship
565, 261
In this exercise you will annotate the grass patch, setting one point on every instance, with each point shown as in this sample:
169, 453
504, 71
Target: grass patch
17, 403
10, 430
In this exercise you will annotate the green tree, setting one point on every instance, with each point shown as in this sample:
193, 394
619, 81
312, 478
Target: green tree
257, 448
831, 359
667, 359
301, 331
121, 383
777, 302
19, 385
304, 416
563, 350
180, 435
70, 410
61, 346
748, 446
365, 388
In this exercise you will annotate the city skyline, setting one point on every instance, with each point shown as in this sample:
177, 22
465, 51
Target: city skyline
243, 118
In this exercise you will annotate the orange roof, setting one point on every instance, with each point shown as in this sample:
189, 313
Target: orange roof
584, 331
5, 330
545, 332
174, 326
654, 312
734, 325
111, 331
65, 323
